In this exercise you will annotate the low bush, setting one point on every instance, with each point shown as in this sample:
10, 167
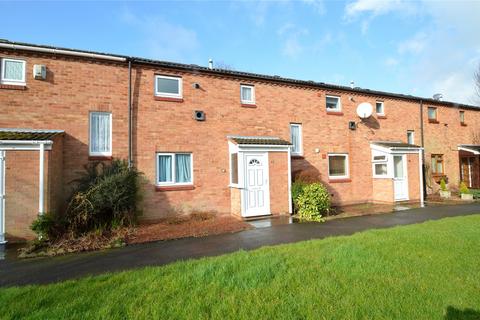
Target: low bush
47, 226
297, 190
476, 193
105, 197
443, 185
463, 188
314, 202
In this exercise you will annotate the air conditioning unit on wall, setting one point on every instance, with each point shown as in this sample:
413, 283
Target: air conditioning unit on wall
40, 72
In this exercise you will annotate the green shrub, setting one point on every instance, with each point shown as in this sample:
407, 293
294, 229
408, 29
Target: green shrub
105, 197
47, 226
443, 185
463, 188
313, 202
297, 190
476, 193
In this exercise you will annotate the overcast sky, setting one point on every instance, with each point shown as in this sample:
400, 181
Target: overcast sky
419, 48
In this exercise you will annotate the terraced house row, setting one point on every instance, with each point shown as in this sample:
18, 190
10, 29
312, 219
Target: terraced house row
214, 140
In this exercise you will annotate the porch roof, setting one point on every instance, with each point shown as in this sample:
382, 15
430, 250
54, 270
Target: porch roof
395, 145
473, 148
257, 140
20, 134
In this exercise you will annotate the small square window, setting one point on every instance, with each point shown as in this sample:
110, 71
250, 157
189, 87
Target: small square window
333, 103
13, 71
338, 166
169, 87
410, 137
462, 117
380, 108
432, 114
247, 94
174, 169
296, 138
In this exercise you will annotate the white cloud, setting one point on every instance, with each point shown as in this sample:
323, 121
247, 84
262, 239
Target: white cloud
413, 45
391, 62
163, 40
291, 36
317, 5
374, 7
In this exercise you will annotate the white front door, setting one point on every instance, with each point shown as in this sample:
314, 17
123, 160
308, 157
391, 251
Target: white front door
257, 188
400, 180
2, 197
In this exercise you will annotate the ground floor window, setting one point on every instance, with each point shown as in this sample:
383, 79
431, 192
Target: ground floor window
234, 168
437, 164
174, 168
380, 165
338, 166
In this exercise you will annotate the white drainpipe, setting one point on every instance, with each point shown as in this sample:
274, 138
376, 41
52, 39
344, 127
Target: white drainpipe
41, 180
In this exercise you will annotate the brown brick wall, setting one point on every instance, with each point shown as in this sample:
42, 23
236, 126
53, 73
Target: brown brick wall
278, 171
76, 86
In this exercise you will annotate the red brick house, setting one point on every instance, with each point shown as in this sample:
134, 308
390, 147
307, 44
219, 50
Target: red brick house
210, 139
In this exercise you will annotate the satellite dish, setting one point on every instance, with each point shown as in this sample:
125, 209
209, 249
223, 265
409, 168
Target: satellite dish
364, 110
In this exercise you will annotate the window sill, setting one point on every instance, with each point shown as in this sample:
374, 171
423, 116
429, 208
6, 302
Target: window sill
463, 124
335, 113
159, 98
100, 158
297, 156
248, 105
381, 116
13, 86
174, 188
339, 180
433, 121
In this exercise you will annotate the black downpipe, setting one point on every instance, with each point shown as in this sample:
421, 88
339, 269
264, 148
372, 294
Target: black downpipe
130, 160
424, 178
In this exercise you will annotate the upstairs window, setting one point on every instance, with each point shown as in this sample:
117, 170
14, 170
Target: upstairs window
462, 117
296, 138
247, 94
338, 166
410, 137
437, 164
168, 86
380, 108
174, 169
432, 114
12, 71
100, 134
333, 104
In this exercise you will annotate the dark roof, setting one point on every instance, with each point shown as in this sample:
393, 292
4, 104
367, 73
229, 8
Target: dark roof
274, 78
395, 144
28, 134
272, 141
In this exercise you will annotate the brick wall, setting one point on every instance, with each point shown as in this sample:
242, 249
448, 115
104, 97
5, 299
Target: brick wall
278, 171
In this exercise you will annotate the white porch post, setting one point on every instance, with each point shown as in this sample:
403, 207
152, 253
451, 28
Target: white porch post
2, 197
290, 205
40, 180
420, 169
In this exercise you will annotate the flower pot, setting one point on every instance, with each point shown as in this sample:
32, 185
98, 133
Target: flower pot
467, 196
445, 194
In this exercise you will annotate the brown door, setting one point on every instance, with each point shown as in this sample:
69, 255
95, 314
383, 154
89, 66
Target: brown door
466, 171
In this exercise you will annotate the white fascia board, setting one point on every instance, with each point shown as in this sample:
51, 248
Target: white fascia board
25, 144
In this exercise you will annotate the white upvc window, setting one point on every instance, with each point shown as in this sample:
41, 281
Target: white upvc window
380, 108
100, 134
174, 169
333, 103
234, 169
12, 71
247, 94
411, 137
380, 165
296, 138
168, 86
338, 166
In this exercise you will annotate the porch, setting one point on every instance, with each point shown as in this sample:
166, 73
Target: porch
469, 160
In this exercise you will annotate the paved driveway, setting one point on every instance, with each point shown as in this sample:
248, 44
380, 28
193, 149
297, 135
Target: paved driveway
47, 270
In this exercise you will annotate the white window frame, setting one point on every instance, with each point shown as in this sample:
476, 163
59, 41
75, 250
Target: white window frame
178, 95
300, 152
232, 184
339, 104
461, 114
436, 114
383, 108
347, 166
12, 81
173, 182
384, 161
252, 87
94, 153
411, 133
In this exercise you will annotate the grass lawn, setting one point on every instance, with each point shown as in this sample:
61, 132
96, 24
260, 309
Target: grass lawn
426, 271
